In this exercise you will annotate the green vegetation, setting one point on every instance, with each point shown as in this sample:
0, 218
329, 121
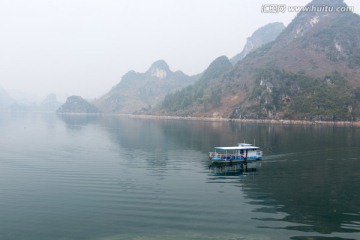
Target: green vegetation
181, 98
196, 94
76, 104
298, 96
192, 94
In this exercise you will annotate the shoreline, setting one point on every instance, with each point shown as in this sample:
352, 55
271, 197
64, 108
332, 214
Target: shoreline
220, 119
261, 121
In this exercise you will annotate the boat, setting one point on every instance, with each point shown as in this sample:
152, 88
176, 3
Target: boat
242, 153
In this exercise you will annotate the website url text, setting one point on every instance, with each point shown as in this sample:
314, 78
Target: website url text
282, 8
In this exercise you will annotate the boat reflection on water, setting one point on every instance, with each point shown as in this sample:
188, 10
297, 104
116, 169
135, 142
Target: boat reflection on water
233, 169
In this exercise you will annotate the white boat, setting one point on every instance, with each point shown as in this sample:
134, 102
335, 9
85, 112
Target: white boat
243, 152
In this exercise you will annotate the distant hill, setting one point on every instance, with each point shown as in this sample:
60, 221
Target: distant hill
261, 36
6, 101
76, 104
49, 104
9, 104
311, 71
141, 92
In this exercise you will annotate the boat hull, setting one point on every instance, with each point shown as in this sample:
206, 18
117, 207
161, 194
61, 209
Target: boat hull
227, 168
249, 164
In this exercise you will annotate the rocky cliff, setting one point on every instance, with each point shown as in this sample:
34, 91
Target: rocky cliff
263, 35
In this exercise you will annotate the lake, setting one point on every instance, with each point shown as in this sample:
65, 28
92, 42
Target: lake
107, 178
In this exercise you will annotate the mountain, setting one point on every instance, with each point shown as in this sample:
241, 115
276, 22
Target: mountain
263, 35
76, 104
141, 92
24, 98
49, 104
200, 96
6, 101
311, 71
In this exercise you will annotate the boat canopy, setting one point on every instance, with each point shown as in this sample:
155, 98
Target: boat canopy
247, 146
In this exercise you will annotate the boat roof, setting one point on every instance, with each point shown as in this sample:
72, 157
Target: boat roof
245, 146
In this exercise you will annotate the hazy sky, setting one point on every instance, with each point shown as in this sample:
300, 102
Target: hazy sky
84, 47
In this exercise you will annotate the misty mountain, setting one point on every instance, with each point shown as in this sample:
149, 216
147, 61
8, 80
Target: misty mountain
6, 101
311, 71
261, 36
76, 104
49, 104
141, 92
24, 98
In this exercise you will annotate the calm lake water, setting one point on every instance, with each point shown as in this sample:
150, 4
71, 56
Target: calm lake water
107, 178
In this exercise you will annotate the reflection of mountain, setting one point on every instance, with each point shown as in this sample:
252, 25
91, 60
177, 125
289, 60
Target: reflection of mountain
295, 177
141, 138
307, 182
163, 136
78, 121
298, 188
